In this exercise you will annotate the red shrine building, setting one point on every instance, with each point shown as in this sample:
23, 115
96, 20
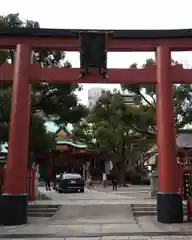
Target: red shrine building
70, 156
93, 46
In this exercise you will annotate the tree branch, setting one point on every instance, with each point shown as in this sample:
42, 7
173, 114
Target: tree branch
145, 99
153, 99
143, 131
114, 148
45, 97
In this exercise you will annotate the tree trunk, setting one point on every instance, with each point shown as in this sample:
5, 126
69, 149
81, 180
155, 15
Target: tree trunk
121, 174
122, 167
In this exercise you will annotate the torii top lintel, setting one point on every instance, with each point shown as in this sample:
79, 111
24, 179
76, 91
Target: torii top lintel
117, 40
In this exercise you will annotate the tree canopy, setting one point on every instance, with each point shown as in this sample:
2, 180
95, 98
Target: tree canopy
55, 102
129, 129
114, 124
146, 97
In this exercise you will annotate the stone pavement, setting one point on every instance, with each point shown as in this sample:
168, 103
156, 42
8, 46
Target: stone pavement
97, 227
175, 237
111, 238
133, 192
96, 215
99, 196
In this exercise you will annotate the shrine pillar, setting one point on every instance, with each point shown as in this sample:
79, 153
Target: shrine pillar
169, 200
14, 201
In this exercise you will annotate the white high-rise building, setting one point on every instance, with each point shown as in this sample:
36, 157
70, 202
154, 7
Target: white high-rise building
93, 95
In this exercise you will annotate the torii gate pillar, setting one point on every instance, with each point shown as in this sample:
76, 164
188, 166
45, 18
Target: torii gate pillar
14, 201
169, 200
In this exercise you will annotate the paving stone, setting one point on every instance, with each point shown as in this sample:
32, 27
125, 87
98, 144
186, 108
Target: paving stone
78, 230
160, 238
171, 237
120, 228
82, 238
139, 238
116, 238
34, 238
95, 212
113, 219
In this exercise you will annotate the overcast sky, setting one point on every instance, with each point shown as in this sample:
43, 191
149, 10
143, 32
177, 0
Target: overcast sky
107, 14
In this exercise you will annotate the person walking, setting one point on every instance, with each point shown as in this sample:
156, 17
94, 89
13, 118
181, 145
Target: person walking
61, 176
48, 179
90, 182
114, 182
104, 180
47, 183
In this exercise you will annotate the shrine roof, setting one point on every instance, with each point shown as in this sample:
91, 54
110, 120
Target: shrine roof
75, 145
183, 141
64, 137
129, 34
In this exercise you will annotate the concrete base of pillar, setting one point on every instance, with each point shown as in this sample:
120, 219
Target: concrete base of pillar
169, 208
13, 209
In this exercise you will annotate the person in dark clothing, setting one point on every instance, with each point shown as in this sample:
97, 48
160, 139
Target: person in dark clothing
114, 182
54, 179
47, 183
48, 178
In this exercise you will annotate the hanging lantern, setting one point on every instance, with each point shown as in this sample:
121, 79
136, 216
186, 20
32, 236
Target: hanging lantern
93, 54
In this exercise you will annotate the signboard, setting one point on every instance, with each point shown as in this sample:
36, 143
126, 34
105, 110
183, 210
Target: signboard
187, 190
62, 147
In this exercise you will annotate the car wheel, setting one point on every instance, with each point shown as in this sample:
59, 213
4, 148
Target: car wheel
82, 190
60, 191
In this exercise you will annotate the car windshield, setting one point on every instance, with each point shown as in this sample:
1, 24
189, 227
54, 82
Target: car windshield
71, 176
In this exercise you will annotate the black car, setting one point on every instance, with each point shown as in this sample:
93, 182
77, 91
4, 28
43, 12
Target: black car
70, 182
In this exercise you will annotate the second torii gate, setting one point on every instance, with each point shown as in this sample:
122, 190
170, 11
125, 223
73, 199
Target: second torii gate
14, 202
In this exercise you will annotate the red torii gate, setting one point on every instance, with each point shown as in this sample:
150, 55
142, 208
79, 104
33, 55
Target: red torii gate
13, 204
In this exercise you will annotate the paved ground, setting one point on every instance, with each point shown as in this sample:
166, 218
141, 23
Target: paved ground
175, 237
98, 214
99, 195
131, 192
116, 238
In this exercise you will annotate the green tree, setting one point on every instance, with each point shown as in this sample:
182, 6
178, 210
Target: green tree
114, 124
55, 102
146, 98
129, 131
83, 132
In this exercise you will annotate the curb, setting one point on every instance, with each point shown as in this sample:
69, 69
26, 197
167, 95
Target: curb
57, 235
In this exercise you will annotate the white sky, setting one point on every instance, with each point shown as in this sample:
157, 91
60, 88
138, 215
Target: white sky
107, 14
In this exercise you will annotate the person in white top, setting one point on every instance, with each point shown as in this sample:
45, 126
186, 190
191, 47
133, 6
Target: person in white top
104, 179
